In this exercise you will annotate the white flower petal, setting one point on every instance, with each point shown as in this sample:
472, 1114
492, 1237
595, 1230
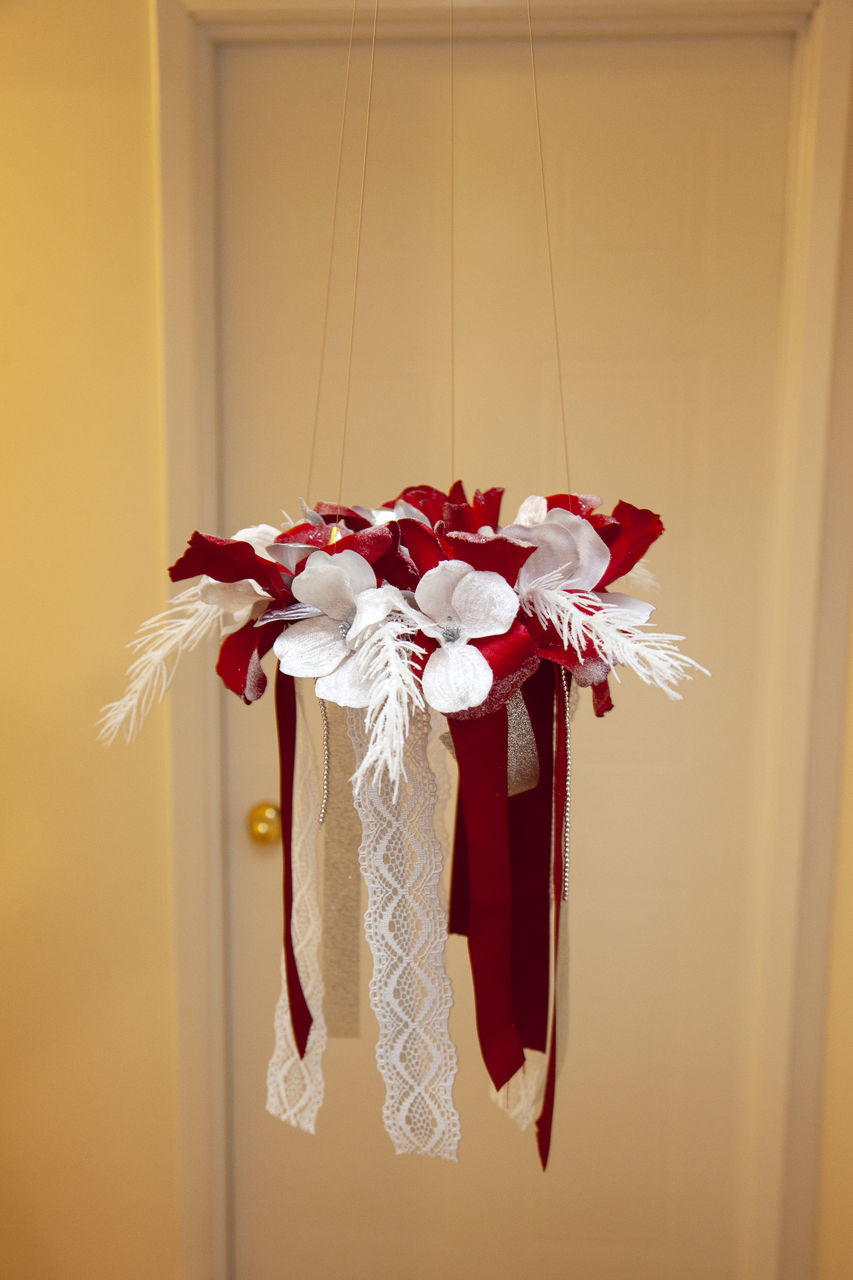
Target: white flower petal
637, 610
344, 686
258, 536
456, 678
310, 515
551, 545
435, 590
374, 606
359, 572
233, 597
331, 582
313, 647
240, 617
592, 555
533, 510
405, 510
485, 604
565, 544
379, 515
291, 613
290, 554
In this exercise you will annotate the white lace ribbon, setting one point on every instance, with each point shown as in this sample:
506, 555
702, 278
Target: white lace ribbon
406, 928
294, 1084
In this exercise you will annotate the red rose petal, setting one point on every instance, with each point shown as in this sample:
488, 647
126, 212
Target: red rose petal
332, 512
495, 555
421, 543
424, 498
487, 507
601, 699
310, 535
580, 504
239, 662
229, 560
638, 529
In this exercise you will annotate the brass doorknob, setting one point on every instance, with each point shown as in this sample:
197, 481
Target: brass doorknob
264, 823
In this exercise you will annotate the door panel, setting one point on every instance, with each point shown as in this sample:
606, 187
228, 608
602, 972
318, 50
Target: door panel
666, 168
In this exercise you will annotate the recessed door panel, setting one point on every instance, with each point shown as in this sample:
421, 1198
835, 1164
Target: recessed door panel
665, 166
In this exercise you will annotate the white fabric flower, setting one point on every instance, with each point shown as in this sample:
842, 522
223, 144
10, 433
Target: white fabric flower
532, 511
258, 536
461, 603
384, 515
345, 601
567, 546
242, 599
291, 554
331, 583
569, 557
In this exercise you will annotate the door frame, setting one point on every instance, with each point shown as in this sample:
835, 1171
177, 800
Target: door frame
791, 892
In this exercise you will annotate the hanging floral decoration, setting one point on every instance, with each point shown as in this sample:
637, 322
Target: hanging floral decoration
424, 616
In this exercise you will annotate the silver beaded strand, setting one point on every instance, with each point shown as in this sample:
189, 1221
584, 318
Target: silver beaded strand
567, 813
325, 717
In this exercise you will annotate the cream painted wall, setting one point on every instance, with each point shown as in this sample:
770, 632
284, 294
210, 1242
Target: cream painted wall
836, 1223
835, 1256
86, 1012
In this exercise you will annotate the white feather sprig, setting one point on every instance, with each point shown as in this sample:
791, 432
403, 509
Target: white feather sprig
384, 657
159, 644
642, 575
582, 618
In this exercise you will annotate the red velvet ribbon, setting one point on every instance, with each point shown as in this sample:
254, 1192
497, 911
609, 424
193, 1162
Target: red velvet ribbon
481, 753
285, 716
529, 826
545, 1120
530, 872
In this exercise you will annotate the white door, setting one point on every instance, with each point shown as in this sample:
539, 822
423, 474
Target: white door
667, 161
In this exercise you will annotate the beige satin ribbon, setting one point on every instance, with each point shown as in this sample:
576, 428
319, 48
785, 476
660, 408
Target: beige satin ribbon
522, 759
342, 912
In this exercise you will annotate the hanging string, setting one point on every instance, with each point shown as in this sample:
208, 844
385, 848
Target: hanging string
335, 207
358, 247
356, 274
547, 217
452, 262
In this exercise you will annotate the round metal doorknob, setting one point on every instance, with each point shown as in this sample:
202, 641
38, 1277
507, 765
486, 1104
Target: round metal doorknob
264, 823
